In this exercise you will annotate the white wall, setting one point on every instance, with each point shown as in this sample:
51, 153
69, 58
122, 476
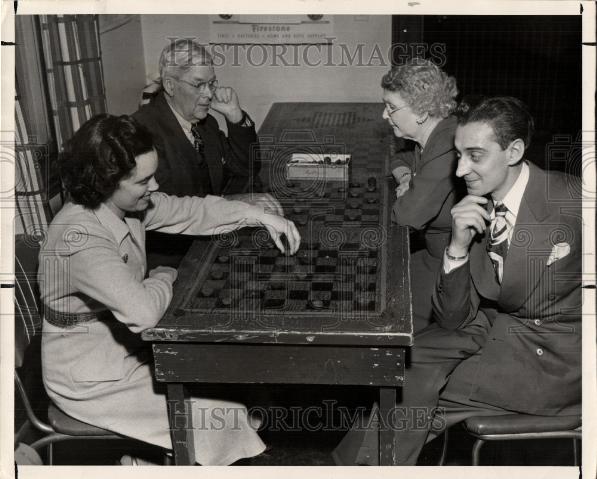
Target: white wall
260, 86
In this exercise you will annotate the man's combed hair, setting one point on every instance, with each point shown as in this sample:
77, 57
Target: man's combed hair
180, 55
99, 155
509, 118
424, 86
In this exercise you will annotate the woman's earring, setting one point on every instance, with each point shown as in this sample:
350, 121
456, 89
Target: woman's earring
420, 122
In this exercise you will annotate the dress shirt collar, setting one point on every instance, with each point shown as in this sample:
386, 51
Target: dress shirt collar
185, 125
513, 198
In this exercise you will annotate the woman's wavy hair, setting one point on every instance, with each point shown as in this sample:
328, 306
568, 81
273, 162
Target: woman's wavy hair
509, 117
424, 86
99, 155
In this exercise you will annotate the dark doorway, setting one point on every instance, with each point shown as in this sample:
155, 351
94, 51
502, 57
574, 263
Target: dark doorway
534, 58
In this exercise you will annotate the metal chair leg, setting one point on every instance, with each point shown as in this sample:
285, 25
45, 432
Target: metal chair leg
477, 451
50, 453
442, 458
576, 451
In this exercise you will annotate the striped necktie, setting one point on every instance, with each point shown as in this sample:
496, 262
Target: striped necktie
198, 141
497, 246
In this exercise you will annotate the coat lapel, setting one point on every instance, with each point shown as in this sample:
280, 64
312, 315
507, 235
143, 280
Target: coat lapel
482, 270
173, 129
212, 156
185, 153
529, 247
441, 139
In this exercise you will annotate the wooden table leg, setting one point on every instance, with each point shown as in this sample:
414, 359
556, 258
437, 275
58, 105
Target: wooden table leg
387, 438
180, 415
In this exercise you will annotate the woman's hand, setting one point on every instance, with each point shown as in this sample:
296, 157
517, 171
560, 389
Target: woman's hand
400, 172
165, 273
403, 185
278, 226
402, 175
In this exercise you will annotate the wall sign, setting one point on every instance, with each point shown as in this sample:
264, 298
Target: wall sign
271, 29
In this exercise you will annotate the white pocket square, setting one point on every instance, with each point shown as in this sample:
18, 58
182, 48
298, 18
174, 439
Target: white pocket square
559, 251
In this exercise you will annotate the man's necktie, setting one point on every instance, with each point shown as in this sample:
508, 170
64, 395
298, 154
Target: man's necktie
497, 246
198, 141
204, 178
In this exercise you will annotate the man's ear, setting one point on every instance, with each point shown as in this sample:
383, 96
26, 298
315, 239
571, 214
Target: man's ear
515, 151
168, 85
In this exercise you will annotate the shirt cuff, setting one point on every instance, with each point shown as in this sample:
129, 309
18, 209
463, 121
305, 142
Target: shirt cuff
451, 264
245, 121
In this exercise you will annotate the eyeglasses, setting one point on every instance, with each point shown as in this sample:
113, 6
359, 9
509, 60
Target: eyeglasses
391, 111
200, 86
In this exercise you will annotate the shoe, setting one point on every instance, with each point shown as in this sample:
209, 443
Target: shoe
128, 460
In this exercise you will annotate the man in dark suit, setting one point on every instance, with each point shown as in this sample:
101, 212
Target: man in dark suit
195, 157
508, 296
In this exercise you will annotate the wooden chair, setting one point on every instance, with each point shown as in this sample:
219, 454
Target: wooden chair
28, 321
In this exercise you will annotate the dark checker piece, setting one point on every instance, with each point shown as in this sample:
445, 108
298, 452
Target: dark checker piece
207, 290
301, 272
225, 298
315, 304
302, 220
305, 256
217, 274
353, 215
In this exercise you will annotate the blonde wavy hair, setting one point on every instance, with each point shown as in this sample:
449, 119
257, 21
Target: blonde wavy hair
424, 86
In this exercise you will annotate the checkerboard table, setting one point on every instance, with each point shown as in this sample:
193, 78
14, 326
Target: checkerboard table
337, 312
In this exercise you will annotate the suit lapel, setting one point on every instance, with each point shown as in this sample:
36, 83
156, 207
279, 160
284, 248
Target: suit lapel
173, 129
212, 155
529, 247
482, 270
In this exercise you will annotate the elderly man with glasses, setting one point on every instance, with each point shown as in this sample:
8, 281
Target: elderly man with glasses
195, 157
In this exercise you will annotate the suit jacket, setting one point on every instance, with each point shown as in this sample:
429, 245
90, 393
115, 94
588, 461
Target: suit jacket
178, 170
531, 361
434, 187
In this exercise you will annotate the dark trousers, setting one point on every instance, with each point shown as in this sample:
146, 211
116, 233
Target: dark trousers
435, 396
